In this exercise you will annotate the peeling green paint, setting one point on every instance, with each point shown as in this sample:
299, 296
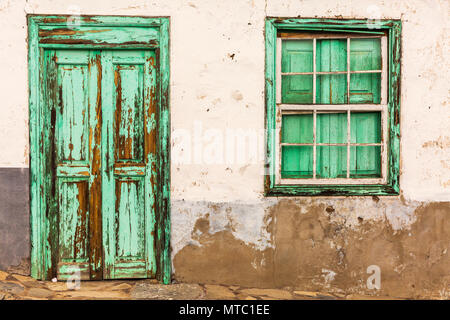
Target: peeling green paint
109, 170
393, 27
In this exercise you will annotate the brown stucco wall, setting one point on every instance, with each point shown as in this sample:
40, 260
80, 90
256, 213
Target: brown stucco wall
318, 249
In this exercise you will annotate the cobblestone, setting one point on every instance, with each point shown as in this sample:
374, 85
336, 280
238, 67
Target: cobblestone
21, 287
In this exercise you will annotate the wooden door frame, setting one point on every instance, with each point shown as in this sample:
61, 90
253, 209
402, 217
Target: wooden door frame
86, 32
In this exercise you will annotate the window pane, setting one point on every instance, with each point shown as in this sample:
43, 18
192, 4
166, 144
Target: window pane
297, 162
331, 127
365, 88
365, 127
331, 89
365, 161
331, 162
297, 89
365, 54
297, 56
331, 55
297, 128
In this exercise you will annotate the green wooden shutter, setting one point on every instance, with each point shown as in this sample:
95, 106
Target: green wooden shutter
297, 56
365, 161
331, 161
297, 161
331, 55
365, 54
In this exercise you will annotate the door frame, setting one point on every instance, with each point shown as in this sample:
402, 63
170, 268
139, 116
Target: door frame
85, 32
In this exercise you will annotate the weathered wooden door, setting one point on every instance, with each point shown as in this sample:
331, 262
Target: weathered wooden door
129, 163
100, 148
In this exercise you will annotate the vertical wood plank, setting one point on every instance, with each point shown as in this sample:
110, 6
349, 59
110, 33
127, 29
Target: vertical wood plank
151, 159
270, 111
107, 152
95, 159
36, 85
48, 144
164, 148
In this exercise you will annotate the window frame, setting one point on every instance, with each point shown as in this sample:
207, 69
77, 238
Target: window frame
389, 183
282, 109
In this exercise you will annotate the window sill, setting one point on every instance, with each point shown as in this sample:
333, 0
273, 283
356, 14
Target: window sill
331, 190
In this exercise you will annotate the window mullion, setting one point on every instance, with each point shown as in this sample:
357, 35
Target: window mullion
348, 70
348, 111
348, 143
314, 71
314, 142
315, 111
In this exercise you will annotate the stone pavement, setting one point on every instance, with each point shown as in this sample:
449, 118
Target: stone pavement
20, 287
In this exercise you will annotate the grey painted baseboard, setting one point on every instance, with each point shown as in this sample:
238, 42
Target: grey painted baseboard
14, 216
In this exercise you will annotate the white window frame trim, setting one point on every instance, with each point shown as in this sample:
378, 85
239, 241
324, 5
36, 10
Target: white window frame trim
313, 108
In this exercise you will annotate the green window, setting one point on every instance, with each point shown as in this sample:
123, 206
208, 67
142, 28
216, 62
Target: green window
332, 107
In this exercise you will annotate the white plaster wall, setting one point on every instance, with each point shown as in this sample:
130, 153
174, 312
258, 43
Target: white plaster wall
212, 90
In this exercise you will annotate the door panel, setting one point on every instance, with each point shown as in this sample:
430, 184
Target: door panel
72, 134
73, 228
130, 225
73, 162
129, 178
129, 112
73, 120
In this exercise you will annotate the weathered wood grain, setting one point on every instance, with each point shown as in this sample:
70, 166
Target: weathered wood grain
99, 136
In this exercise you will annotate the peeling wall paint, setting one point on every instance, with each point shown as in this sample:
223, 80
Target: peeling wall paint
316, 247
249, 221
246, 221
218, 208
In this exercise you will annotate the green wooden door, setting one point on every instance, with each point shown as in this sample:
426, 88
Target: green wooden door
100, 152
129, 161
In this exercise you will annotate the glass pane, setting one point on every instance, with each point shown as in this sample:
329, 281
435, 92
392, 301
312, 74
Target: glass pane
365, 54
297, 128
331, 55
331, 162
297, 89
297, 56
365, 127
331, 89
297, 162
331, 127
365, 88
365, 161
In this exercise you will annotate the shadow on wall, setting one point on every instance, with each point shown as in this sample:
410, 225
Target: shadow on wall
14, 220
